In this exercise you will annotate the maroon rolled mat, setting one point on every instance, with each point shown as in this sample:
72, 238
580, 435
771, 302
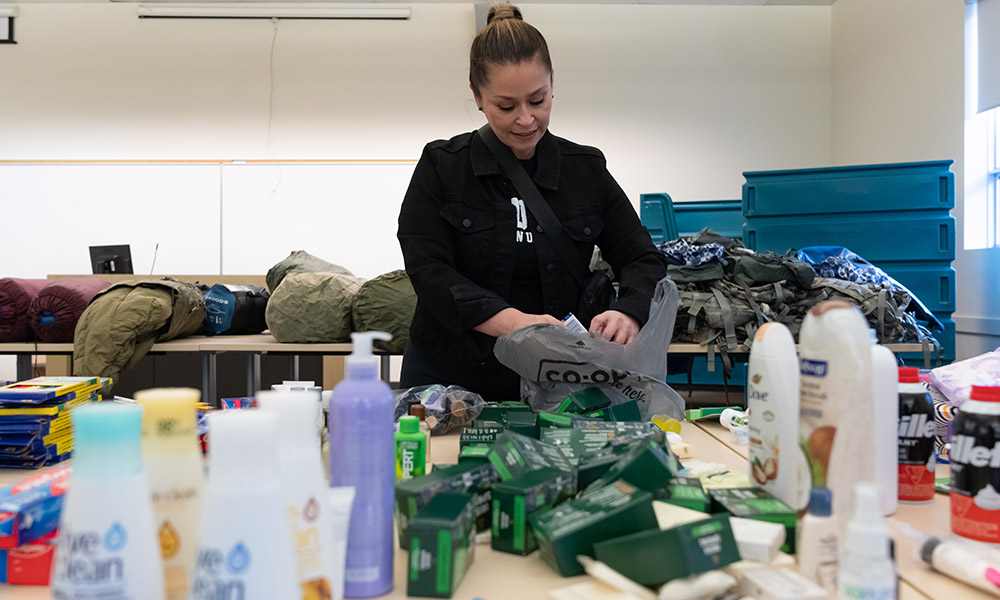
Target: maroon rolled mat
15, 298
57, 307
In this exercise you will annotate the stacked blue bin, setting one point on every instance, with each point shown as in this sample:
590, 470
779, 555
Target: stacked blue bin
898, 216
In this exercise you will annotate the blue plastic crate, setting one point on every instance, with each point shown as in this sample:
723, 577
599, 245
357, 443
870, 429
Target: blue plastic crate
700, 375
656, 212
724, 217
863, 188
946, 339
932, 282
878, 237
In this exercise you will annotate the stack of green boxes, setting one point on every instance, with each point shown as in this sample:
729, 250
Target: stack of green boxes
442, 544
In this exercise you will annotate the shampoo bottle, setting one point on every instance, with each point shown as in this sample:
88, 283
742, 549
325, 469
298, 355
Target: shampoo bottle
835, 401
107, 542
244, 546
172, 453
362, 457
885, 419
816, 540
305, 490
420, 411
773, 406
411, 449
866, 571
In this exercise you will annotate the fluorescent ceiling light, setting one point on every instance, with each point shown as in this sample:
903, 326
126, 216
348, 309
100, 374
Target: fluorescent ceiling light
278, 11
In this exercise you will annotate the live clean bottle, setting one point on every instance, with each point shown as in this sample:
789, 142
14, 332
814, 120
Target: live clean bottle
172, 453
244, 545
107, 547
305, 490
362, 456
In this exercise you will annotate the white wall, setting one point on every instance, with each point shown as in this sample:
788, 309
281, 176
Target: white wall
898, 96
681, 99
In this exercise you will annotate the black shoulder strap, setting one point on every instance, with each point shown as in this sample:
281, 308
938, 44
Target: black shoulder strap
533, 200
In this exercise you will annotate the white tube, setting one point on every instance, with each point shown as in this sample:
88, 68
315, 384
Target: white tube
341, 501
963, 562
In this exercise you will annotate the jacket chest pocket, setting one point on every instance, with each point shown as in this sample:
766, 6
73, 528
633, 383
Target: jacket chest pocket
475, 232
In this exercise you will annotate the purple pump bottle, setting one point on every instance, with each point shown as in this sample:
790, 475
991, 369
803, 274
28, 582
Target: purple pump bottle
362, 456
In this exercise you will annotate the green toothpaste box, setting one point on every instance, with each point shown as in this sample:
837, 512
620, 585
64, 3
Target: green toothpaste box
514, 455
515, 500
554, 419
475, 453
686, 492
647, 465
475, 478
585, 401
480, 433
525, 423
574, 443
499, 412
756, 503
654, 557
624, 412
441, 546
573, 527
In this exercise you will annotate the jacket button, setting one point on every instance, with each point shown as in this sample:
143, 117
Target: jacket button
538, 228
466, 223
586, 231
550, 267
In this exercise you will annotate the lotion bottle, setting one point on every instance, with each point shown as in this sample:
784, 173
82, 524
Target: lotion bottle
244, 546
107, 542
362, 456
305, 489
866, 571
773, 406
885, 420
816, 544
172, 453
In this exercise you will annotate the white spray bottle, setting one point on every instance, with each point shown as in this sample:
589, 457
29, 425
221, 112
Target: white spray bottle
866, 571
305, 490
107, 539
773, 405
244, 546
885, 421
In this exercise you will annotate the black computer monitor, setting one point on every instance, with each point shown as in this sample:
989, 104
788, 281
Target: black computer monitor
111, 259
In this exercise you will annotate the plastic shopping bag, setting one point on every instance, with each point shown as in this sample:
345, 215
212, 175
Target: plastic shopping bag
553, 362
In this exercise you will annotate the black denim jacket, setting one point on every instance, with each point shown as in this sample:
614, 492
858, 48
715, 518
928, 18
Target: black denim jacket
457, 233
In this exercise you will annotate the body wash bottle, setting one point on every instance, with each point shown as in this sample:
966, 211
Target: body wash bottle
172, 453
244, 546
361, 456
305, 490
773, 406
107, 541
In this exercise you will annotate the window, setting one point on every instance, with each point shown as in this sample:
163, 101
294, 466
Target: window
982, 143
7, 25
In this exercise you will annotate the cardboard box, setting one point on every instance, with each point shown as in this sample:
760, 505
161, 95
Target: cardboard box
573, 527
475, 453
523, 423
515, 500
441, 546
464, 478
756, 503
553, 419
482, 433
499, 412
654, 557
30, 564
514, 455
585, 401
29, 509
686, 492
647, 465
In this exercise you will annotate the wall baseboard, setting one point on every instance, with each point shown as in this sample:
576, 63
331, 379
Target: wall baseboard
989, 326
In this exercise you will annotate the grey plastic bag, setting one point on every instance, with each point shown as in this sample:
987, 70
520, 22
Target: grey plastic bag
553, 362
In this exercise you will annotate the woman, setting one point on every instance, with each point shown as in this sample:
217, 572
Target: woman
479, 261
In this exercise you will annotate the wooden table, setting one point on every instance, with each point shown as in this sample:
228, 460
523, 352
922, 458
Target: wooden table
501, 576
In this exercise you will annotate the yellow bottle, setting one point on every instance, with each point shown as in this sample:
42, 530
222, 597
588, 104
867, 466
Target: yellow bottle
172, 456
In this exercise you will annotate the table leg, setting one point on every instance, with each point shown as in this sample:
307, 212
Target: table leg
253, 374
24, 367
385, 370
208, 379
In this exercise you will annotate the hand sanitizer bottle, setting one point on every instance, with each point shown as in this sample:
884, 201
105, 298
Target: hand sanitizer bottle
866, 571
362, 456
107, 541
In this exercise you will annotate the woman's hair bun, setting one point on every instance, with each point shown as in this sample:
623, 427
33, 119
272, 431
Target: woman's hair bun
502, 11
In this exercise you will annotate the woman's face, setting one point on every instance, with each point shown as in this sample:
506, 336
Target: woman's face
517, 102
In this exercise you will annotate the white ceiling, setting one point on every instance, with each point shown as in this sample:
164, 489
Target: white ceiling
673, 2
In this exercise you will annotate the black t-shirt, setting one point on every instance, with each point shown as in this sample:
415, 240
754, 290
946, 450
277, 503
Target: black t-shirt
526, 285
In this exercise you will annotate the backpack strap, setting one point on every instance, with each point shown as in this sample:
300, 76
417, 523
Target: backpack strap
534, 201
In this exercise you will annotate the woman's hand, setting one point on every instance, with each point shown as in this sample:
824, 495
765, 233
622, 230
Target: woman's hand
614, 326
511, 319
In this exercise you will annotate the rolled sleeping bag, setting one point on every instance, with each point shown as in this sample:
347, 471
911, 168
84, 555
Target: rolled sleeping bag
15, 299
235, 309
57, 307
